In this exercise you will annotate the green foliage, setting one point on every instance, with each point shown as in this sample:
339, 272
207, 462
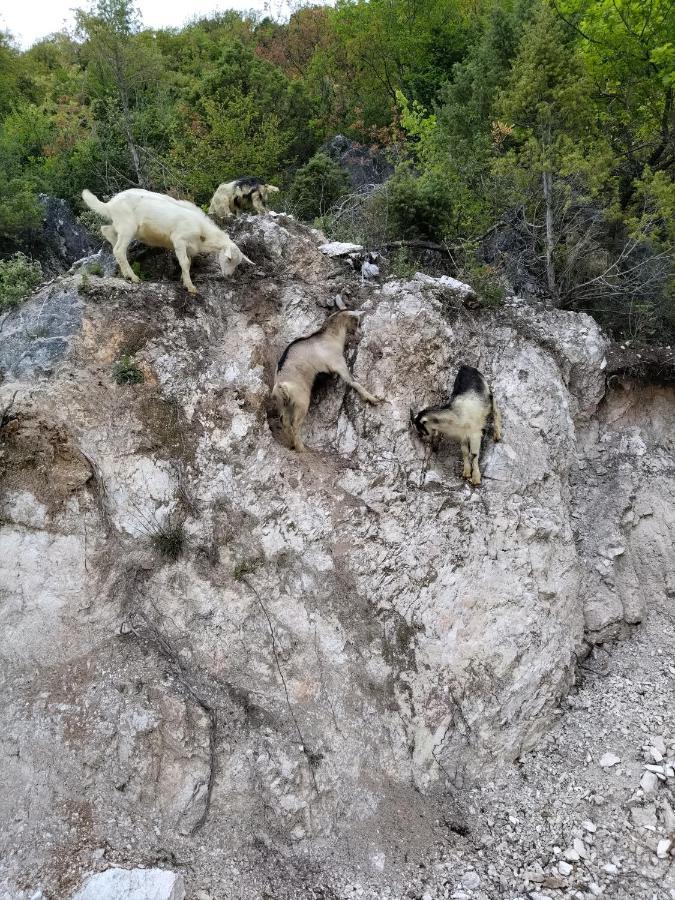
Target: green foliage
487, 283
126, 371
421, 207
19, 275
316, 187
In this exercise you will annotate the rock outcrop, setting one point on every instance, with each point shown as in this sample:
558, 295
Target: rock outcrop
212, 643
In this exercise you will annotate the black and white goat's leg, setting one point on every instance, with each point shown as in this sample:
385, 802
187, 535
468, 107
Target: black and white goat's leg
474, 449
466, 458
496, 420
344, 373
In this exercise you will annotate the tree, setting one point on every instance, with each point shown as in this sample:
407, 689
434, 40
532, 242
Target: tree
124, 74
544, 102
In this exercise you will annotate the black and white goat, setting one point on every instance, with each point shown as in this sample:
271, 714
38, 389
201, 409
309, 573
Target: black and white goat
302, 361
463, 418
244, 193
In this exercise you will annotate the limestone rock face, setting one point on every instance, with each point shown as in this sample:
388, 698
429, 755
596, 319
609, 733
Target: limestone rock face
206, 633
132, 884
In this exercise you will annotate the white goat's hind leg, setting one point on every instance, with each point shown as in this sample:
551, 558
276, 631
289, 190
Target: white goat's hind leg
474, 447
346, 376
466, 459
182, 255
109, 234
120, 254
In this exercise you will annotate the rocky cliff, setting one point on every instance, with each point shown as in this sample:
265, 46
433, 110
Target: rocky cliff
213, 647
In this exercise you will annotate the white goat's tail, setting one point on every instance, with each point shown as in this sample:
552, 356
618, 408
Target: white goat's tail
94, 203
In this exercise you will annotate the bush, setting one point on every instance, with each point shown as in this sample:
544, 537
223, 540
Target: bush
420, 208
18, 276
316, 187
127, 372
170, 540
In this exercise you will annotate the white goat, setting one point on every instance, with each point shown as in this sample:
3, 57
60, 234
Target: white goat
161, 221
463, 418
234, 196
302, 361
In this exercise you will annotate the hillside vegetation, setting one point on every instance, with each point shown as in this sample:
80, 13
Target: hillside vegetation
546, 124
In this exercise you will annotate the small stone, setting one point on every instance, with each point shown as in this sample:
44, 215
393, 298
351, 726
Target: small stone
572, 855
663, 848
610, 869
649, 783
589, 826
471, 880
98, 854
298, 833
595, 889
565, 868
644, 816
427, 897
580, 847
607, 760
668, 816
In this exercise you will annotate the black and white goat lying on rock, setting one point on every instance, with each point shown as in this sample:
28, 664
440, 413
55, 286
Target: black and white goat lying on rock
302, 361
463, 418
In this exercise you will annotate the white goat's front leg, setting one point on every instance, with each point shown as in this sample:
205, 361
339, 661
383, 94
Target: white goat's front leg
120, 254
184, 260
109, 234
474, 447
466, 459
344, 373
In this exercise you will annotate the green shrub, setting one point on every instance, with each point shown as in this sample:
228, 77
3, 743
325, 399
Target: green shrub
420, 208
316, 187
126, 371
487, 284
18, 276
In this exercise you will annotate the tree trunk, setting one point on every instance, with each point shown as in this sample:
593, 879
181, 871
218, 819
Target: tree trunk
547, 180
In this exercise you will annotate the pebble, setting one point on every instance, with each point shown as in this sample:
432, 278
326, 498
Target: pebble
572, 855
589, 826
580, 847
595, 889
565, 868
471, 880
607, 760
663, 848
649, 783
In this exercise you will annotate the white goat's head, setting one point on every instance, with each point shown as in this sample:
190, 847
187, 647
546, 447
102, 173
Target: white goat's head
230, 256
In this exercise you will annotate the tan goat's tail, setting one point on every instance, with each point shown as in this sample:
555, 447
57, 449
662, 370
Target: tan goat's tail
283, 402
94, 203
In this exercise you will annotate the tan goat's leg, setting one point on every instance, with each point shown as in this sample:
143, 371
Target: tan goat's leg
344, 373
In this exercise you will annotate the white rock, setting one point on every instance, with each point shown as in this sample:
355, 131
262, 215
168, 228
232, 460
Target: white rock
595, 889
663, 848
339, 248
607, 760
471, 880
572, 855
580, 847
565, 868
649, 783
132, 884
589, 826
610, 869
